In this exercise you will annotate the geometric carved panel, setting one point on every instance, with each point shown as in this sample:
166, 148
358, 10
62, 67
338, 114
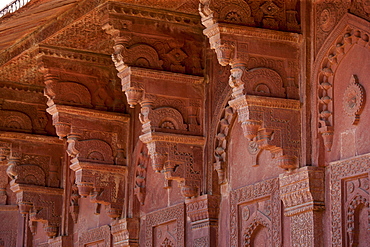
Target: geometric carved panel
348, 189
256, 215
98, 237
165, 227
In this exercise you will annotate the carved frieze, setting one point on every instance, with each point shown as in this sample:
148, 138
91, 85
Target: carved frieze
100, 236
203, 210
277, 15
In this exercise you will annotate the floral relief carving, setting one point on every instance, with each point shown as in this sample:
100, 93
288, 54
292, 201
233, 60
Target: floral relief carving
220, 153
142, 164
354, 99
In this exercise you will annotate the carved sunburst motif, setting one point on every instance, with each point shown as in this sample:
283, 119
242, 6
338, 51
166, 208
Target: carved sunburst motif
353, 99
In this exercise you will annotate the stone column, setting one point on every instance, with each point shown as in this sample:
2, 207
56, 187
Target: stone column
302, 193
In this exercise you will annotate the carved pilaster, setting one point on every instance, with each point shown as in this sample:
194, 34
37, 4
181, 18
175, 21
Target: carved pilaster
126, 232
302, 193
203, 213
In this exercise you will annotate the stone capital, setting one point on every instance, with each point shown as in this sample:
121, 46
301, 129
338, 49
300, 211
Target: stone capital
303, 190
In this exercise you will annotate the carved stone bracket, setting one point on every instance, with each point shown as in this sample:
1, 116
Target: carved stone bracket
103, 183
302, 193
256, 116
178, 157
43, 204
98, 159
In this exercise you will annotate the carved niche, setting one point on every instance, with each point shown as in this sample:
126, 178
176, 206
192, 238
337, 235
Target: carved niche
337, 46
349, 195
228, 41
255, 215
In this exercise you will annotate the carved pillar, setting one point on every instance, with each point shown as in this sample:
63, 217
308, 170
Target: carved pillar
302, 193
203, 213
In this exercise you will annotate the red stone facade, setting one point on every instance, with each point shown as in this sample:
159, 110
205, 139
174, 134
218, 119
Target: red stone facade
185, 123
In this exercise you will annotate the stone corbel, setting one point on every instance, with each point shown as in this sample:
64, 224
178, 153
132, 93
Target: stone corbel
42, 204
249, 110
203, 210
120, 30
103, 183
178, 157
303, 190
100, 169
